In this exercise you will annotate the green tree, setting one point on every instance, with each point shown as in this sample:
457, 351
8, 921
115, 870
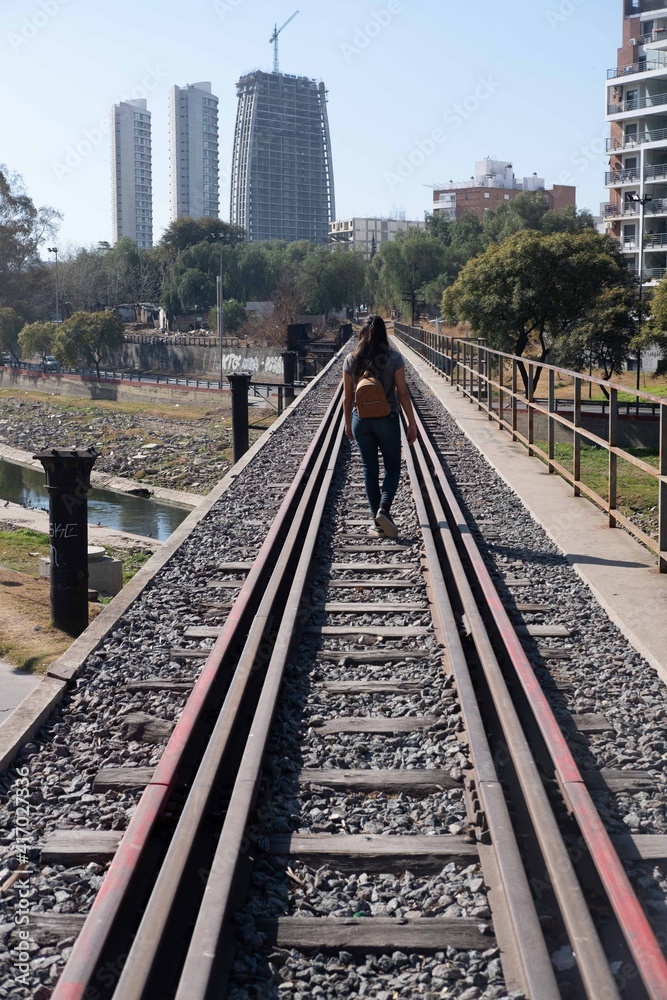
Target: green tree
533, 289
11, 325
604, 337
88, 337
416, 257
37, 339
25, 282
234, 316
187, 232
654, 329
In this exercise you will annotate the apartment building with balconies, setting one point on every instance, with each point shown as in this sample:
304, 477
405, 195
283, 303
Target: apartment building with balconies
131, 173
637, 146
193, 146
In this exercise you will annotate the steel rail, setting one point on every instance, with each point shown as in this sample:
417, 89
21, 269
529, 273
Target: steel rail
536, 971
206, 953
81, 967
592, 961
140, 964
636, 929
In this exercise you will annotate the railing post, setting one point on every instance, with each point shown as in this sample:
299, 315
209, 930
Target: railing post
501, 391
280, 399
240, 384
515, 407
489, 383
458, 364
576, 468
531, 412
662, 487
613, 459
551, 423
479, 373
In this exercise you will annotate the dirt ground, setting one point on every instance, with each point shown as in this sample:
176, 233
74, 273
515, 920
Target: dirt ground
27, 638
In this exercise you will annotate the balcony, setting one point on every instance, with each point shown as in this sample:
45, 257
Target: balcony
639, 104
643, 66
652, 241
620, 209
622, 176
628, 141
656, 35
656, 172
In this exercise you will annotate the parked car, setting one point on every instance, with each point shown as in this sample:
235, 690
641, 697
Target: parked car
7, 359
49, 364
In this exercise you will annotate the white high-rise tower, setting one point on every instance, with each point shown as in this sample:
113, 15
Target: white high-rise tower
193, 149
131, 172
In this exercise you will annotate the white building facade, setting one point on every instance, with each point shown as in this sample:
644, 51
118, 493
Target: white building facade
131, 173
636, 213
194, 151
369, 234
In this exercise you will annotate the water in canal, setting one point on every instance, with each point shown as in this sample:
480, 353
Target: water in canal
119, 511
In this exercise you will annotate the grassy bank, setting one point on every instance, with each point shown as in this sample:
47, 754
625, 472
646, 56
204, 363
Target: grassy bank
27, 638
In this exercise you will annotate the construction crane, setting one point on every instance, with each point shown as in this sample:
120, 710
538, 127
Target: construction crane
274, 40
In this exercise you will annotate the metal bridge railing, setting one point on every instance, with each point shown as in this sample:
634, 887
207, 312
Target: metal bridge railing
503, 385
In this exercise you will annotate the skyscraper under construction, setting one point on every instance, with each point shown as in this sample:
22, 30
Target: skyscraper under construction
282, 173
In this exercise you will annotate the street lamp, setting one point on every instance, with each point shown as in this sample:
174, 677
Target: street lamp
54, 250
642, 201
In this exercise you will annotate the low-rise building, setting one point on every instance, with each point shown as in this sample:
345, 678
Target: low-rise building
494, 183
369, 234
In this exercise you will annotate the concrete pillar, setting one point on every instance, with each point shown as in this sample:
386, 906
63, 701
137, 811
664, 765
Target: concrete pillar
68, 485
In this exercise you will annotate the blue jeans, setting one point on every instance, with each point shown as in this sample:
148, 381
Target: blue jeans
383, 434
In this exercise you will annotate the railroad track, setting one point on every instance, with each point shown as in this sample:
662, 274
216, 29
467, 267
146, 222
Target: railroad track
419, 690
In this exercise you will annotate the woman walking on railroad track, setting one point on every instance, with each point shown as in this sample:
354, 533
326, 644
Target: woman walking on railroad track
376, 357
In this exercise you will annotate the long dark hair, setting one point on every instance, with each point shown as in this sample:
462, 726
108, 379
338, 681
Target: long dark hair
373, 348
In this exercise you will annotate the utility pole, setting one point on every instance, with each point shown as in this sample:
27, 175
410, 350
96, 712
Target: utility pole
54, 250
274, 40
642, 202
221, 320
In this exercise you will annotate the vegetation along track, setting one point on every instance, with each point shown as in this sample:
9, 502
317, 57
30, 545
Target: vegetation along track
367, 772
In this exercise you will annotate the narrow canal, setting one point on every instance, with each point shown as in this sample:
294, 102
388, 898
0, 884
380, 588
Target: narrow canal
119, 511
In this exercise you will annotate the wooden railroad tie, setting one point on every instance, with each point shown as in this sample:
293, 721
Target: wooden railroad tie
378, 853
387, 631
414, 782
372, 934
361, 608
361, 656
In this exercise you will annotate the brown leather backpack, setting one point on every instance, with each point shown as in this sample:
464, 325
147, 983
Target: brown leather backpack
370, 398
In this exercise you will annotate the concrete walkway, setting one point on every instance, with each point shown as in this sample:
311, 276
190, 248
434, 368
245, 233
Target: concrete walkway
621, 573
14, 686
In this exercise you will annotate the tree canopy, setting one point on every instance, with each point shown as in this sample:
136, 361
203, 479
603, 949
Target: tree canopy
11, 325
535, 288
87, 337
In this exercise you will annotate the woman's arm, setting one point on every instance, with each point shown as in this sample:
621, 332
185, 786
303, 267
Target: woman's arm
348, 402
406, 403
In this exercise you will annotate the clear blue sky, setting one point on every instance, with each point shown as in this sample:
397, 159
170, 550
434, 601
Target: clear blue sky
529, 80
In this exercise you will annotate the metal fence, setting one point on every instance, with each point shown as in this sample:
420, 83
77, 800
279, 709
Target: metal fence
503, 386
